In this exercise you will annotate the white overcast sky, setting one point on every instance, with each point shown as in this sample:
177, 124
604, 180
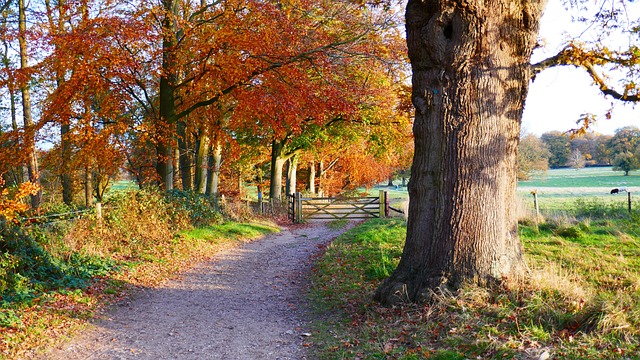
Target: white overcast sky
560, 95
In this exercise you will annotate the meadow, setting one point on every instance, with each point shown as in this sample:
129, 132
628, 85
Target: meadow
559, 189
580, 300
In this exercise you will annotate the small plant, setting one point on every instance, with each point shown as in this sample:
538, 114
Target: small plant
569, 232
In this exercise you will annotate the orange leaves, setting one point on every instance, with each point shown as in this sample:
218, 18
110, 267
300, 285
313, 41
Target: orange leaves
11, 199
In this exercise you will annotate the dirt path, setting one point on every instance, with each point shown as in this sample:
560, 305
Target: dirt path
247, 303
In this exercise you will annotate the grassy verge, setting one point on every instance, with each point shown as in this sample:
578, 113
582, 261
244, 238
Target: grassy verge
582, 299
52, 280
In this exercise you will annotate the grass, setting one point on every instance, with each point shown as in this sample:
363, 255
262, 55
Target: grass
582, 299
230, 231
560, 190
583, 178
565, 189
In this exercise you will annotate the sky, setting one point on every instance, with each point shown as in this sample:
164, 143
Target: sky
559, 96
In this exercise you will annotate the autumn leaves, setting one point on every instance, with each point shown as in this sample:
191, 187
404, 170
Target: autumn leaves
194, 95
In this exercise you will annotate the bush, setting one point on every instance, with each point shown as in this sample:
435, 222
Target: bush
26, 268
200, 208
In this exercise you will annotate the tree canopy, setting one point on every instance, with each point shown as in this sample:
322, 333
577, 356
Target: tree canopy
193, 94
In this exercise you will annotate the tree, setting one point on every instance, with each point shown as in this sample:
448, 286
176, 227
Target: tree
559, 147
625, 147
626, 161
602, 153
29, 126
576, 159
470, 79
471, 68
533, 156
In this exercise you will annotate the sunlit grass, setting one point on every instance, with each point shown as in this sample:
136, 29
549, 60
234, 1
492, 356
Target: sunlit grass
581, 300
230, 231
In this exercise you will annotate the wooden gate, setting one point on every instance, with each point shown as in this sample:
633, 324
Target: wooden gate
303, 209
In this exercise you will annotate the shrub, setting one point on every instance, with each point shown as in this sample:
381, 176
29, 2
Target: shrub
26, 268
200, 208
571, 232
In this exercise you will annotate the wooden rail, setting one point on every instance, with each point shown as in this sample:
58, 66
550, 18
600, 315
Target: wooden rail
335, 208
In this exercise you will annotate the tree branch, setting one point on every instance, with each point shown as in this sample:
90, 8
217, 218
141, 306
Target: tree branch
574, 56
272, 65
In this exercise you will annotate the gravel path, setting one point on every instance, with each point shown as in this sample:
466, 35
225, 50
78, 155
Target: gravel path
246, 303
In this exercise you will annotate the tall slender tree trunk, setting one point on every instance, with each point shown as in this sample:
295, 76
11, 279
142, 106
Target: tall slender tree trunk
177, 179
471, 72
202, 163
321, 176
277, 162
166, 125
65, 127
215, 160
65, 176
292, 175
16, 174
88, 187
32, 158
312, 177
185, 158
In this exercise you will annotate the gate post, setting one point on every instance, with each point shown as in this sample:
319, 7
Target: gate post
382, 208
298, 208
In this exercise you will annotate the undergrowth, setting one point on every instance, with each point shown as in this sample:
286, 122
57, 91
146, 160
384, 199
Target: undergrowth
581, 300
53, 277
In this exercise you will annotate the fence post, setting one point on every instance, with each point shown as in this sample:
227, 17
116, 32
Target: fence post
535, 203
629, 200
298, 208
386, 204
381, 209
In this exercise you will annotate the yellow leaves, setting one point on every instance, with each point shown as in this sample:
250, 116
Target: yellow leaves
11, 200
586, 121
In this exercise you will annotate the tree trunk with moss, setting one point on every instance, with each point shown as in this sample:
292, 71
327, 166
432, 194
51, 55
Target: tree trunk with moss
471, 71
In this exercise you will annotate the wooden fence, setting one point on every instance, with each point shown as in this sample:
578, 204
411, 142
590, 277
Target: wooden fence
303, 209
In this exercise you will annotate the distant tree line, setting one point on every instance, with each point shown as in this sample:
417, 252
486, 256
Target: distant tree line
557, 149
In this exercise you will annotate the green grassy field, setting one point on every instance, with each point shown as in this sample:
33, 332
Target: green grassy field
592, 177
562, 189
581, 299
566, 189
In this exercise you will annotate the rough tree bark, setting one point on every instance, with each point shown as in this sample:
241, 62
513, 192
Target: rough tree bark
32, 158
202, 163
277, 162
292, 175
185, 157
88, 187
166, 125
215, 161
471, 70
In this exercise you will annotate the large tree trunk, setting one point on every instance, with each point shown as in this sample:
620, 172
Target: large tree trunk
470, 66
292, 175
32, 159
215, 160
202, 158
167, 122
277, 162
